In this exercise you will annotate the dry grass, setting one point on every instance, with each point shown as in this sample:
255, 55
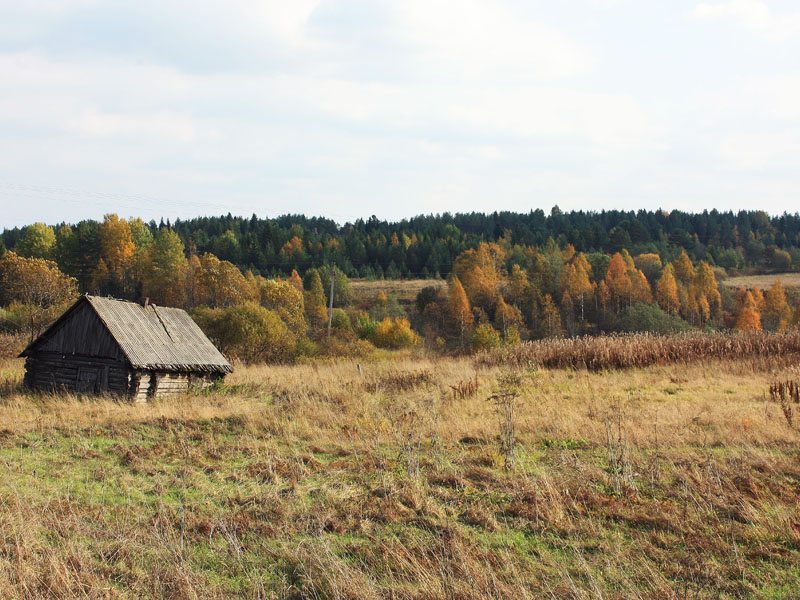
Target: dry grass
644, 349
12, 344
406, 290
316, 481
763, 281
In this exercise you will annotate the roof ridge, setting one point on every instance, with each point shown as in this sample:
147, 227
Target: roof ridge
160, 320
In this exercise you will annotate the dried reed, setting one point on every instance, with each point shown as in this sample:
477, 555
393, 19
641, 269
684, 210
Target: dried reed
644, 349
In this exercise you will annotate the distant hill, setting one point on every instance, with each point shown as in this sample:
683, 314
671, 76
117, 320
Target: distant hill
426, 246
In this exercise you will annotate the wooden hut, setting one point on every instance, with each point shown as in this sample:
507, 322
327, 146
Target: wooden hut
115, 346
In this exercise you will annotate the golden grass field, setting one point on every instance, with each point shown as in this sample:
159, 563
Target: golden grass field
406, 290
789, 280
313, 481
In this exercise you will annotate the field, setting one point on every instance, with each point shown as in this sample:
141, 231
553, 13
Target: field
407, 481
789, 280
405, 290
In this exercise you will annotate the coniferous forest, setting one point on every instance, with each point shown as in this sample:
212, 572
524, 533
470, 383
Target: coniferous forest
510, 276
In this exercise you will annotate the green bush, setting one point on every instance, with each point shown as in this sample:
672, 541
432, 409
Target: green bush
249, 332
425, 296
649, 317
366, 328
485, 337
340, 320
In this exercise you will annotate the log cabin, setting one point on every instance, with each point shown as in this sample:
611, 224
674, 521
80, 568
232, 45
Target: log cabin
139, 351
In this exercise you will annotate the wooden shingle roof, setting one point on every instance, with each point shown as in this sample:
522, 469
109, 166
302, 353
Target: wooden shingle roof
151, 337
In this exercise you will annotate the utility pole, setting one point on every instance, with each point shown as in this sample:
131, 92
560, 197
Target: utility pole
330, 306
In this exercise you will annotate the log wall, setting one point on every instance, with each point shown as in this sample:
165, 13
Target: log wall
75, 372
145, 385
90, 375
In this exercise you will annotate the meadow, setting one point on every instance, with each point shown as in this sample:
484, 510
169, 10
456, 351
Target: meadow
788, 280
408, 477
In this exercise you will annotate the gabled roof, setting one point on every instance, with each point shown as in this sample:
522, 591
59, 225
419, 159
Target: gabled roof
150, 337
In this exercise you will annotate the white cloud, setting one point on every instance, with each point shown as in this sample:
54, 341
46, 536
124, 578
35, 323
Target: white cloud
172, 126
752, 14
481, 38
281, 106
757, 151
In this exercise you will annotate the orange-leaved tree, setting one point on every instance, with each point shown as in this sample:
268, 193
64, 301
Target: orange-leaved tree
684, 270
459, 310
749, 318
618, 281
640, 288
667, 291
296, 281
575, 281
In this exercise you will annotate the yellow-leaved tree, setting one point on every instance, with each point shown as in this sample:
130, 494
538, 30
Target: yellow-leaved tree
35, 290
283, 298
549, 320
508, 319
776, 313
602, 295
117, 252
706, 285
220, 283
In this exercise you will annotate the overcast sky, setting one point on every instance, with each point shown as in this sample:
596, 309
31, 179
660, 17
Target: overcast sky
348, 108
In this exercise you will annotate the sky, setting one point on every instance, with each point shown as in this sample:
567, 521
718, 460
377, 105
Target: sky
352, 108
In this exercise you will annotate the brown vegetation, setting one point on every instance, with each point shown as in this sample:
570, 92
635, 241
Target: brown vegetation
641, 350
325, 480
789, 280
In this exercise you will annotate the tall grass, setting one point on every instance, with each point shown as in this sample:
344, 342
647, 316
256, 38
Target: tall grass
644, 349
323, 481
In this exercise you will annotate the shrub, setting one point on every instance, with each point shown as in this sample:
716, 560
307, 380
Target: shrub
366, 328
394, 333
485, 337
649, 317
425, 296
340, 320
285, 299
343, 343
248, 331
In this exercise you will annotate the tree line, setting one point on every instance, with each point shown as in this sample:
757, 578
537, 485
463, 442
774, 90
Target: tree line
425, 246
497, 292
501, 294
